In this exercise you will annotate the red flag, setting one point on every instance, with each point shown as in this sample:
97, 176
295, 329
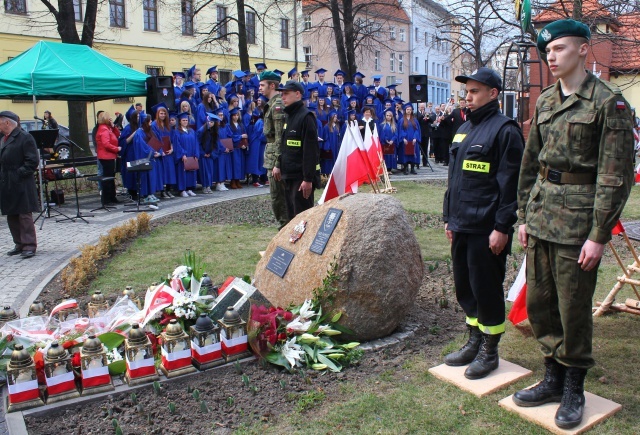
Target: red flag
374, 151
518, 295
64, 305
617, 229
350, 169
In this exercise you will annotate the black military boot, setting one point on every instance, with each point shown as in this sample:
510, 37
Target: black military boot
548, 390
468, 352
487, 359
571, 408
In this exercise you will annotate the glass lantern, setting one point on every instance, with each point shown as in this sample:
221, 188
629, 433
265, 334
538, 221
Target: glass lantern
22, 381
131, 294
205, 343
138, 353
98, 305
37, 309
94, 367
70, 313
58, 372
7, 314
176, 351
234, 336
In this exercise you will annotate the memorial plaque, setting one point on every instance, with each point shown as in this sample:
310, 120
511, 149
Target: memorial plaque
280, 261
326, 229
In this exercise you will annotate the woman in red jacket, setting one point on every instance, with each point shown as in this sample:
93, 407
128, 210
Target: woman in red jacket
107, 149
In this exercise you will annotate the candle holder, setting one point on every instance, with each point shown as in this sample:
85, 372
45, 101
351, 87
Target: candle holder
98, 305
73, 312
37, 309
131, 294
234, 336
7, 314
94, 367
205, 343
139, 359
176, 351
61, 383
22, 381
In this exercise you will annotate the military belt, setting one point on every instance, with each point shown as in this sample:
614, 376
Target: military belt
557, 177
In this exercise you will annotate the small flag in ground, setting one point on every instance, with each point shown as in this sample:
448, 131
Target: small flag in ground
518, 295
617, 229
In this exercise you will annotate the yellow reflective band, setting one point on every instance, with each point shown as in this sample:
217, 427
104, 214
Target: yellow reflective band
318, 167
294, 143
459, 137
492, 330
471, 165
472, 321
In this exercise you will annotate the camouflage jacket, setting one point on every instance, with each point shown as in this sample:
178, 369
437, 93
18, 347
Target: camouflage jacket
273, 127
591, 131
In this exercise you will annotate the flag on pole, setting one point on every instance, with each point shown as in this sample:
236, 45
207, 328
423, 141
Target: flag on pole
518, 295
617, 229
373, 151
350, 169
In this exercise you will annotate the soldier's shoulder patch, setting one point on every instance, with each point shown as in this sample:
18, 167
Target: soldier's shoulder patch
277, 108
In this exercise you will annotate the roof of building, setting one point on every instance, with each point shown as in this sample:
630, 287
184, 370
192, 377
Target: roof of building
387, 9
592, 11
626, 50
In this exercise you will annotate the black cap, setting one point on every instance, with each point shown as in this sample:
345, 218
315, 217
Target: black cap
485, 76
10, 115
292, 85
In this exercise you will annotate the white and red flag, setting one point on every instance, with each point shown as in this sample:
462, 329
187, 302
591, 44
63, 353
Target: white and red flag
351, 168
518, 295
372, 151
158, 299
64, 305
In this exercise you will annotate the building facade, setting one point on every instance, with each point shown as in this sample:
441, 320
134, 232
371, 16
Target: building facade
159, 37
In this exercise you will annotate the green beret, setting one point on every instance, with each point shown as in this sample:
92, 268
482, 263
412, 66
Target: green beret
270, 75
560, 29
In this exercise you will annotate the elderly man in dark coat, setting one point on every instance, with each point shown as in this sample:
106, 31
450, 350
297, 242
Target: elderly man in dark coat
18, 194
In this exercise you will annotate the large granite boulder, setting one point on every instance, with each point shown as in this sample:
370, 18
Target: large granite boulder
377, 256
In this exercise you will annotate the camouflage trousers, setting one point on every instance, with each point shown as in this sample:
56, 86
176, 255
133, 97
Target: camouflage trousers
278, 201
559, 301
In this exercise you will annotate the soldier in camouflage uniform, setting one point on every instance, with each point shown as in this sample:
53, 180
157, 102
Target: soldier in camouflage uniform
575, 178
273, 127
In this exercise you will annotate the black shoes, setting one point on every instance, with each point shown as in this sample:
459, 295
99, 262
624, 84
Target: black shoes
468, 352
27, 254
571, 410
546, 391
487, 359
14, 251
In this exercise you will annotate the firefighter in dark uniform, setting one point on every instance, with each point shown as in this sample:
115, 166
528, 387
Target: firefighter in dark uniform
479, 213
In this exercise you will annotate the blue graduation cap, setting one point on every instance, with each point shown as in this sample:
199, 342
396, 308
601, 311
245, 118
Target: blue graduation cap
352, 98
183, 115
234, 111
200, 85
391, 87
397, 100
339, 73
371, 88
389, 111
179, 74
333, 112
230, 96
212, 69
238, 74
155, 108
312, 88
347, 84
404, 106
248, 73
261, 65
304, 73
331, 85
377, 77
141, 117
358, 74
292, 72
212, 116
263, 98
129, 112
277, 71
320, 71
191, 71
369, 97
351, 112
335, 97
189, 85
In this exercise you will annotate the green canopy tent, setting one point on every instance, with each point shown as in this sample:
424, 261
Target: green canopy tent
58, 71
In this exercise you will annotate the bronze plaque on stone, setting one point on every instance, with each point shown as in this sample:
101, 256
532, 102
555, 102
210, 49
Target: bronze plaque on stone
280, 261
326, 229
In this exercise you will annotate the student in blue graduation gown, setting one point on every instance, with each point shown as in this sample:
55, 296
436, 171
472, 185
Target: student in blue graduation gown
352, 104
338, 78
212, 84
351, 120
336, 107
305, 84
330, 144
225, 169
372, 101
141, 150
161, 128
321, 85
185, 107
208, 162
381, 91
178, 84
359, 89
126, 151
409, 134
240, 149
206, 106
388, 132
257, 144
322, 112
347, 92
186, 146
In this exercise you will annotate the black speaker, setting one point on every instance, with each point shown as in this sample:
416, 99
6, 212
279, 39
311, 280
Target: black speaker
418, 89
160, 90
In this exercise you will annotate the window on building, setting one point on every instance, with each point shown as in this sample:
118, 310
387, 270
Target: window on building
376, 61
392, 62
187, 17
402, 36
250, 24
223, 25
416, 65
284, 33
439, 70
433, 68
401, 63
154, 70
426, 67
224, 76
15, 6
392, 32
426, 39
77, 10
417, 35
150, 15
446, 74
307, 22
391, 80
307, 56
116, 13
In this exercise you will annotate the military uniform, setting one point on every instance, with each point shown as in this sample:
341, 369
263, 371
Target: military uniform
575, 178
273, 127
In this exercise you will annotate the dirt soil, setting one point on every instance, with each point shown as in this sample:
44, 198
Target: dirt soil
271, 392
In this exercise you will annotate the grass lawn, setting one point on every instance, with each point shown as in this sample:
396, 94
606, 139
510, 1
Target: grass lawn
409, 400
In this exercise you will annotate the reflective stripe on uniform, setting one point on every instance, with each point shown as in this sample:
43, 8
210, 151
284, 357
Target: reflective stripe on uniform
459, 137
492, 330
294, 143
472, 321
472, 165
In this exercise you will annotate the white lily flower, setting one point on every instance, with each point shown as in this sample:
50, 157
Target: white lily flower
292, 352
180, 272
305, 312
299, 325
322, 328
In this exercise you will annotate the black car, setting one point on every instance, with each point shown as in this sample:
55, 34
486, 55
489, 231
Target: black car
62, 147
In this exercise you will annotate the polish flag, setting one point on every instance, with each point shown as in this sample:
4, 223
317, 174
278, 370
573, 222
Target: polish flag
373, 151
618, 229
64, 305
351, 168
518, 295
157, 299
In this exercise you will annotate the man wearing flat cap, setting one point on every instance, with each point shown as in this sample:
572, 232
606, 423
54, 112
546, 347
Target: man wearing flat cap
479, 213
18, 194
575, 179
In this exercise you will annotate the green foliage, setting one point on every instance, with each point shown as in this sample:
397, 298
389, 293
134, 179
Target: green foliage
172, 408
245, 380
192, 261
203, 407
157, 388
326, 293
115, 423
134, 398
247, 279
309, 400
196, 394
283, 384
230, 401
118, 430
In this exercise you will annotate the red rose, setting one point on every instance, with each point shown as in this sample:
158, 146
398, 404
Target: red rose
282, 336
287, 316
